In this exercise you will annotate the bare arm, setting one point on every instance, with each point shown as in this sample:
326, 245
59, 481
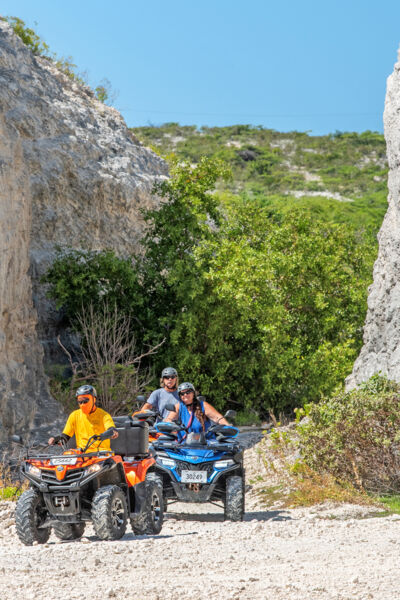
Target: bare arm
147, 406
214, 415
173, 416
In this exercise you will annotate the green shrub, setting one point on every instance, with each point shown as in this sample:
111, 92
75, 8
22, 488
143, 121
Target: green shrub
355, 436
64, 64
10, 492
79, 278
28, 36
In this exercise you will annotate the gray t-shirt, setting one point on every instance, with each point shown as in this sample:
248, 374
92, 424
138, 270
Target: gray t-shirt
159, 398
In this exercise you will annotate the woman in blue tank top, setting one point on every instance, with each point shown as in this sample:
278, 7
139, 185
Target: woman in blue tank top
195, 414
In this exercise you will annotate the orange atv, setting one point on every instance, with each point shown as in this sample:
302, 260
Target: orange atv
104, 487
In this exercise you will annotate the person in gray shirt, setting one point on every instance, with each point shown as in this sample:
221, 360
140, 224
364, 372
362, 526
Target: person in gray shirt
167, 393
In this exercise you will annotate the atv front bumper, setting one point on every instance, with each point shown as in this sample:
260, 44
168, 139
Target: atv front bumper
184, 494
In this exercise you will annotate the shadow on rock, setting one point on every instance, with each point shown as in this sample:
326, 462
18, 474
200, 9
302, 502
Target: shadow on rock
268, 515
204, 517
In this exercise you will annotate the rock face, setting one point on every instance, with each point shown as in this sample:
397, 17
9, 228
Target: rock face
381, 349
71, 174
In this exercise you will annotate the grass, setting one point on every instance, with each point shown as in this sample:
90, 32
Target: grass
310, 487
392, 502
273, 494
10, 492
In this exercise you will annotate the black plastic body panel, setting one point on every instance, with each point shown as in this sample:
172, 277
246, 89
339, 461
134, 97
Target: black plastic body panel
132, 440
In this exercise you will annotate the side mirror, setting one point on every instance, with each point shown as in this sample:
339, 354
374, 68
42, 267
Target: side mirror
167, 427
143, 415
230, 415
227, 431
141, 399
17, 439
201, 398
170, 406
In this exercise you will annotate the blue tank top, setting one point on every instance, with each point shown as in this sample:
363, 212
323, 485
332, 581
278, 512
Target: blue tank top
195, 425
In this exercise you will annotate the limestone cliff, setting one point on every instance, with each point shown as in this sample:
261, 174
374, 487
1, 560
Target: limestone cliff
71, 174
381, 349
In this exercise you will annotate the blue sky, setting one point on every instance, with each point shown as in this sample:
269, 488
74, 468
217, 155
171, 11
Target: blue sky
305, 65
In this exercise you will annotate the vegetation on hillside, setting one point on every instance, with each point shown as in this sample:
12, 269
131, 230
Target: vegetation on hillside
283, 169
355, 436
34, 42
262, 313
344, 448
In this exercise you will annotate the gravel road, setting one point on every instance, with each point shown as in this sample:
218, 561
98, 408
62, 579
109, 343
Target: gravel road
324, 552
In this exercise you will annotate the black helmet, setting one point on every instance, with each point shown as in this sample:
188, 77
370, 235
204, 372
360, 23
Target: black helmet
169, 372
86, 389
185, 386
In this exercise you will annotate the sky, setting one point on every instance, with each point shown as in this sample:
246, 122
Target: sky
304, 65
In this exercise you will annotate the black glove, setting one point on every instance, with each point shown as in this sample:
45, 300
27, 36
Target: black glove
63, 437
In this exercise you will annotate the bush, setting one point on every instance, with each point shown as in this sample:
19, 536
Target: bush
28, 36
108, 359
355, 436
79, 278
65, 64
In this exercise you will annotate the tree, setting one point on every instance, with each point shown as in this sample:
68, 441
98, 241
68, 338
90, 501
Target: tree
79, 278
109, 359
188, 215
277, 310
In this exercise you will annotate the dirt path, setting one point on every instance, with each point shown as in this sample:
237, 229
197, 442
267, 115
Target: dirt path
335, 553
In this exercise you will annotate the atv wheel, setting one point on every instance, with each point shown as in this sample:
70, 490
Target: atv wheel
68, 531
109, 512
150, 521
234, 498
30, 513
158, 480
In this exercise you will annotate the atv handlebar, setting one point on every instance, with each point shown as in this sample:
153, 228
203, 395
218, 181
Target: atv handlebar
106, 435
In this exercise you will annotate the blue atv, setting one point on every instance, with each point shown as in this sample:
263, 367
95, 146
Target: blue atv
203, 467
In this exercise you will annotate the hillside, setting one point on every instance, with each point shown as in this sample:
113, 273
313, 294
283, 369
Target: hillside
342, 176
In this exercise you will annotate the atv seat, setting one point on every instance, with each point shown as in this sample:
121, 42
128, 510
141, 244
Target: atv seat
122, 421
133, 438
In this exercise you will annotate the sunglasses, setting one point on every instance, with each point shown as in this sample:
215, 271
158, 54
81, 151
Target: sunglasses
170, 377
186, 393
83, 401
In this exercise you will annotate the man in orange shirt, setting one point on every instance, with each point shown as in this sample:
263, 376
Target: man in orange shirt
87, 420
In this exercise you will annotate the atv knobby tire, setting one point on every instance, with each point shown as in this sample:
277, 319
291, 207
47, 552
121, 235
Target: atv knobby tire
68, 531
109, 512
234, 498
30, 512
159, 481
151, 519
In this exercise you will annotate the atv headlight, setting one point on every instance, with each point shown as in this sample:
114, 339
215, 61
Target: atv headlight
32, 470
224, 464
166, 462
93, 469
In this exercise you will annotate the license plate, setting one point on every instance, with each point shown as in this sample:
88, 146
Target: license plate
64, 460
194, 476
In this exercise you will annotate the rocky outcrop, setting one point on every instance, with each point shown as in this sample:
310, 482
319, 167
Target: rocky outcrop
381, 349
71, 174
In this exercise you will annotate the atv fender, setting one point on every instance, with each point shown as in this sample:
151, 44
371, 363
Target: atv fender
139, 500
